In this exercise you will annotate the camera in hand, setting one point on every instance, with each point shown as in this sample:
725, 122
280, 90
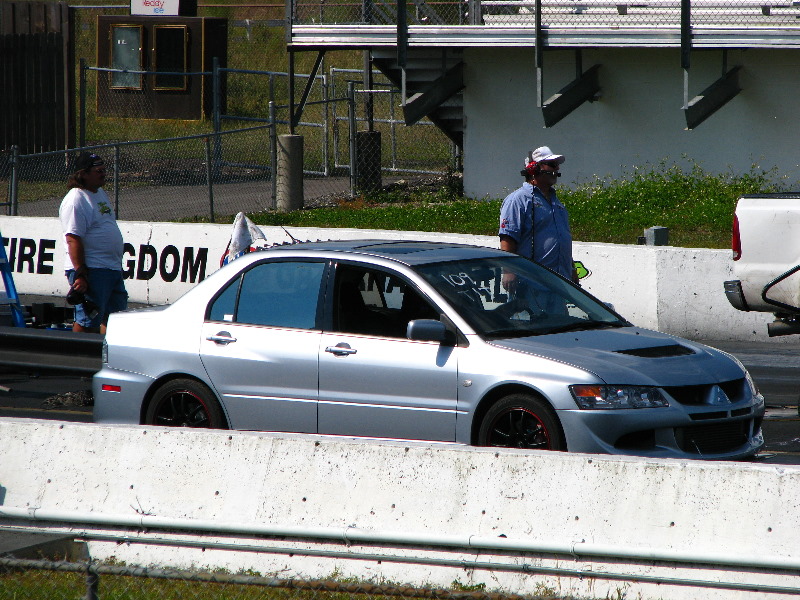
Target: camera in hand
75, 297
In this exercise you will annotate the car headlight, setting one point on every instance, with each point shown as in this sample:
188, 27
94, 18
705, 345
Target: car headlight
747, 377
753, 387
605, 397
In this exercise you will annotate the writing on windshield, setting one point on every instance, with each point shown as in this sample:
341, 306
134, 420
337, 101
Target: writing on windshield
511, 296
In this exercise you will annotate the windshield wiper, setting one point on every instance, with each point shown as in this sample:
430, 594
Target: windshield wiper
585, 325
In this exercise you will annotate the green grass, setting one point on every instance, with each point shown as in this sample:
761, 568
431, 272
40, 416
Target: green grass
46, 585
696, 206
459, 216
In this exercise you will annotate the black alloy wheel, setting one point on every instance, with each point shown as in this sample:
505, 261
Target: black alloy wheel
185, 403
521, 421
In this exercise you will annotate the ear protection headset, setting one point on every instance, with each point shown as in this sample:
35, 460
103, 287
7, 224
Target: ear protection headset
531, 170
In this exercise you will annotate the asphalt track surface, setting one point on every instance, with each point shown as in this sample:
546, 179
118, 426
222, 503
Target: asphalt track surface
775, 366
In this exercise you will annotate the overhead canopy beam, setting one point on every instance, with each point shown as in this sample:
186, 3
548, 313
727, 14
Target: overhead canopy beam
711, 99
422, 104
585, 88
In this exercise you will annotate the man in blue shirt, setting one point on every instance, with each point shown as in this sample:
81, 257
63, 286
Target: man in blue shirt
533, 222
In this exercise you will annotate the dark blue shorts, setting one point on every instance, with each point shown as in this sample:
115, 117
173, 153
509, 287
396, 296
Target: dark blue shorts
106, 290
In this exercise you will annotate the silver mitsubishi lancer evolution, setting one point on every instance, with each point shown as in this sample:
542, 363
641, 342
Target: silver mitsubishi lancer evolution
421, 341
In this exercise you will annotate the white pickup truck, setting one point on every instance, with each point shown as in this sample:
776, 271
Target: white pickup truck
766, 254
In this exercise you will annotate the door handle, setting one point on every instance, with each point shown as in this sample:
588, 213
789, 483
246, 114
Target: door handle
222, 337
341, 349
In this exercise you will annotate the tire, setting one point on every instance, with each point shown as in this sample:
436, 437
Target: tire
522, 421
185, 403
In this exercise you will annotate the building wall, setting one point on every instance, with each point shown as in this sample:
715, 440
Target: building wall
637, 120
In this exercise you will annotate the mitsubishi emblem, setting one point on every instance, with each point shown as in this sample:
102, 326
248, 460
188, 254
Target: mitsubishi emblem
718, 397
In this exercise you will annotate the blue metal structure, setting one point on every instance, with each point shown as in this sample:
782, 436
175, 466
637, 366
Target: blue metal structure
12, 299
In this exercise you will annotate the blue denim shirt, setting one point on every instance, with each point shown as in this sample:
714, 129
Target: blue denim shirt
540, 227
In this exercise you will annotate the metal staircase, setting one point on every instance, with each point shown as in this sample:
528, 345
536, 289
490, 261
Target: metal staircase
433, 86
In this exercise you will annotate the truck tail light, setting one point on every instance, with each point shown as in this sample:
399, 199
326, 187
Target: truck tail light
736, 241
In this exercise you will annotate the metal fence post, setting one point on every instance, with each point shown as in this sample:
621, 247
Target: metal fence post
82, 105
209, 179
273, 153
369, 111
325, 126
393, 128
291, 92
272, 87
116, 180
13, 205
217, 113
351, 112
335, 121
475, 17
291, 16
215, 94
92, 583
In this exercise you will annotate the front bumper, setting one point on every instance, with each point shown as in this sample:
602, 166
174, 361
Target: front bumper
730, 434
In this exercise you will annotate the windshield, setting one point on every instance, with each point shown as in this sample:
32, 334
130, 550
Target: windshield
511, 296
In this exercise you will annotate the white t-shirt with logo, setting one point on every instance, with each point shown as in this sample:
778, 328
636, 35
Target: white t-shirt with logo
89, 216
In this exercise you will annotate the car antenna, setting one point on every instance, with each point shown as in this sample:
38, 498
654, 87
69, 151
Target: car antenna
294, 239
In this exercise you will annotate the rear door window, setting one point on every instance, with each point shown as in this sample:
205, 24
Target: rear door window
274, 294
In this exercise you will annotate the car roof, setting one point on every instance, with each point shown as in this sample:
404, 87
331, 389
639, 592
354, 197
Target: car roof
404, 251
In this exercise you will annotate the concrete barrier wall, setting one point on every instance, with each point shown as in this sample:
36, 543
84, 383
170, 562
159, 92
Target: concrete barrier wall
692, 510
675, 290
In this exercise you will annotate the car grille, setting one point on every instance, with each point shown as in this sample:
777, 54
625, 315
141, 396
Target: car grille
694, 395
713, 438
658, 351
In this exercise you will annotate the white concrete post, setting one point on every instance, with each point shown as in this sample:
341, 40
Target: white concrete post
289, 179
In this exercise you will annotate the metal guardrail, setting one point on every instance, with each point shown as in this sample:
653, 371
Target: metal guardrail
158, 532
50, 350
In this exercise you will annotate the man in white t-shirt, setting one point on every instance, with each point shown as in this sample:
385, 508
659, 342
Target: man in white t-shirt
93, 260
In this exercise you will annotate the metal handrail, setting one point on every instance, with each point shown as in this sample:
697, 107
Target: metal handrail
773, 283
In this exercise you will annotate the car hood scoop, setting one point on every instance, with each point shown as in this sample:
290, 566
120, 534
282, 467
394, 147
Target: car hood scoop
658, 351
631, 355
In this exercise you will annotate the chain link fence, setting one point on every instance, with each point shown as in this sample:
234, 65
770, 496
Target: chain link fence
381, 12
198, 170
554, 13
25, 579
194, 177
421, 149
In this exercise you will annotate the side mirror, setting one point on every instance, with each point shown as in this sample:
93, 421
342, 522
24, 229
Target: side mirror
427, 330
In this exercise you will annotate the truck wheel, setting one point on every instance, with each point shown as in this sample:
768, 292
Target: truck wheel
522, 421
185, 403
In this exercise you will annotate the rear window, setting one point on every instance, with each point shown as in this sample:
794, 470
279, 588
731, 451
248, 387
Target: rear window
274, 294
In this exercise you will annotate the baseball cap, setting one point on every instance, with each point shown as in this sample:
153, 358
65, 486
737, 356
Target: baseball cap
87, 160
543, 154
